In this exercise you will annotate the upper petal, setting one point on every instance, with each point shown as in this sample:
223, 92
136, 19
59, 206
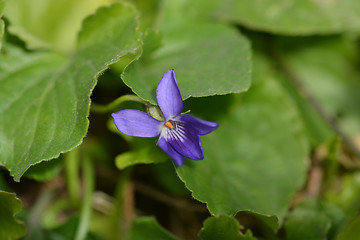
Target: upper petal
168, 95
176, 157
201, 127
136, 123
185, 141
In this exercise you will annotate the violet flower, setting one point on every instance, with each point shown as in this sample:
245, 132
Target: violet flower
178, 132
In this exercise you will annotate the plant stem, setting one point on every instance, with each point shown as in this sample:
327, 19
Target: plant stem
124, 206
72, 172
89, 184
98, 108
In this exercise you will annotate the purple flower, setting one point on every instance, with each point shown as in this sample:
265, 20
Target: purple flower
178, 132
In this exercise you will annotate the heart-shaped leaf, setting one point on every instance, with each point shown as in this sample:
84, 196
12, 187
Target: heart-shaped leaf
250, 158
46, 97
209, 59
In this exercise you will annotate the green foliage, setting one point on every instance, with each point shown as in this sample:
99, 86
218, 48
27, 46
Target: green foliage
228, 179
2, 5
320, 218
223, 70
53, 26
148, 228
63, 232
297, 17
11, 228
223, 227
52, 93
351, 230
283, 164
46, 170
142, 156
334, 83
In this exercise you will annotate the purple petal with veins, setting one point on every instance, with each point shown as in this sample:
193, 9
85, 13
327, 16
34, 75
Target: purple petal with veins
168, 95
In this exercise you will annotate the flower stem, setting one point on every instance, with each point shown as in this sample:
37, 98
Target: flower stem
89, 183
72, 172
98, 108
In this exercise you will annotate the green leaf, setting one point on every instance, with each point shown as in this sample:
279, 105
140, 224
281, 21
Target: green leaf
223, 227
149, 11
45, 24
255, 160
209, 59
145, 155
316, 128
312, 220
297, 17
266, 222
148, 228
11, 228
334, 83
46, 98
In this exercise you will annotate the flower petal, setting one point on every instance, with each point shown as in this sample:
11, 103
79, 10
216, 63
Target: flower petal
176, 157
168, 95
184, 140
136, 123
201, 127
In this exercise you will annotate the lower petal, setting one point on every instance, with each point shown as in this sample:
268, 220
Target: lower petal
177, 158
186, 142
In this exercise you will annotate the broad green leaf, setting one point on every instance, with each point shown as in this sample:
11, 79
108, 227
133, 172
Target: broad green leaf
297, 17
148, 228
49, 24
223, 227
209, 59
334, 83
312, 220
46, 98
11, 228
255, 160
